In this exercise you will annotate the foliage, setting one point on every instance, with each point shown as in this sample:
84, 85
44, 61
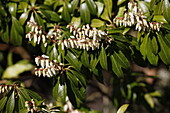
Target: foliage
77, 41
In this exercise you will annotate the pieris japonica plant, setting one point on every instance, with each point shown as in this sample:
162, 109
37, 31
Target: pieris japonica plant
87, 50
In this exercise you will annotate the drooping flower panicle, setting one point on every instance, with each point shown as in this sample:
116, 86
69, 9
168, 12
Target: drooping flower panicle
134, 16
83, 37
47, 68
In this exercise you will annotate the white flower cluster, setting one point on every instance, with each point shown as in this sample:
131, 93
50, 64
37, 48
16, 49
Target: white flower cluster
81, 38
84, 37
36, 34
135, 16
47, 68
5, 88
31, 106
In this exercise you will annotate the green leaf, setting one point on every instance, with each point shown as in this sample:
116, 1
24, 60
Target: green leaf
24, 94
103, 59
153, 59
116, 68
65, 13
121, 59
97, 23
53, 15
154, 46
2, 11
24, 17
121, 12
144, 45
13, 71
85, 13
21, 102
32, 2
33, 94
17, 25
100, 7
92, 7
10, 103
79, 76
23, 110
12, 7
59, 92
105, 15
72, 59
24, 5
54, 54
144, 6
149, 100
93, 62
76, 21
74, 5
165, 50
39, 21
5, 35
159, 18
166, 10
167, 39
85, 58
119, 2
166, 26
123, 108
2, 103
15, 36
108, 4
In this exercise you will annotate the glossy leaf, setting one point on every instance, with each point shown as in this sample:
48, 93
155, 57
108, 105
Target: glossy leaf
3, 102
154, 45
24, 17
32, 2
108, 4
21, 102
79, 76
24, 5
72, 59
119, 2
12, 7
85, 59
103, 59
91, 6
165, 50
53, 15
65, 13
100, 7
159, 18
24, 94
153, 59
97, 23
2, 11
93, 62
166, 10
85, 13
17, 25
15, 36
10, 103
13, 71
33, 94
74, 5
149, 100
116, 68
121, 59
76, 21
123, 108
39, 21
120, 12
144, 45
105, 15
5, 35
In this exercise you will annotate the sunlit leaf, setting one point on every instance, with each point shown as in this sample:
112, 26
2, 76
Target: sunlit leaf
13, 71
97, 23
12, 7
65, 13
108, 4
100, 7
119, 2
123, 108
24, 17
149, 100
74, 5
